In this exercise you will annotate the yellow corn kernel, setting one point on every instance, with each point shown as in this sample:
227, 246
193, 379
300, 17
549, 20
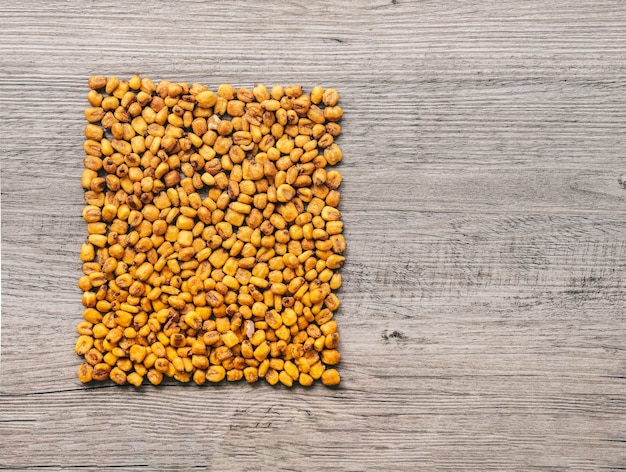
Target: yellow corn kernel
305, 380
277, 363
283, 333
261, 352
292, 370
100, 331
154, 376
85, 373
118, 376
285, 378
273, 319
123, 318
149, 360
331, 341
330, 356
317, 370
83, 345
137, 353
258, 337
251, 374
101, 371
163, 339
215, 373
329, 327
199, 377
134, 379
140, 369
289, 317
303, 365
162, 365
272, 377
171, 353
330, 377
230, 339
319, 343
92, 315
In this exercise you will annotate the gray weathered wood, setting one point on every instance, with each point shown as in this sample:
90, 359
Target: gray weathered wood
483, 310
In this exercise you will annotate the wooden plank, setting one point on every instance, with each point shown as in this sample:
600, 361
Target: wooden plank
482, 309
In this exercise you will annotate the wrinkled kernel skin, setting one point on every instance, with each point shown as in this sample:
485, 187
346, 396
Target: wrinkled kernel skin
214, 239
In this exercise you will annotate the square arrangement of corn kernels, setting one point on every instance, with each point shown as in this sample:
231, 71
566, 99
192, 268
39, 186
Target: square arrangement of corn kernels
213, 240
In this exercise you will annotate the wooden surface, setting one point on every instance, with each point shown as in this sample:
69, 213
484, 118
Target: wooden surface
483, 310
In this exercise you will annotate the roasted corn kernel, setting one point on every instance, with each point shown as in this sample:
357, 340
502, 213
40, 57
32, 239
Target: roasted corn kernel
330, 377
214, 237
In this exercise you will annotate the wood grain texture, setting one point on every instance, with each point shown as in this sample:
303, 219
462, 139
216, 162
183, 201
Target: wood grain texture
483, 309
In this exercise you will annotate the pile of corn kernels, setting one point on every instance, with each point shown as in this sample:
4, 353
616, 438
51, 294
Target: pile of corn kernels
214, 239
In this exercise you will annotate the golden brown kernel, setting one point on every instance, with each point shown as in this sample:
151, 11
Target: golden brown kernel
118, 376
330, 377
101, 371
85, 372
133, 378
215, 373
